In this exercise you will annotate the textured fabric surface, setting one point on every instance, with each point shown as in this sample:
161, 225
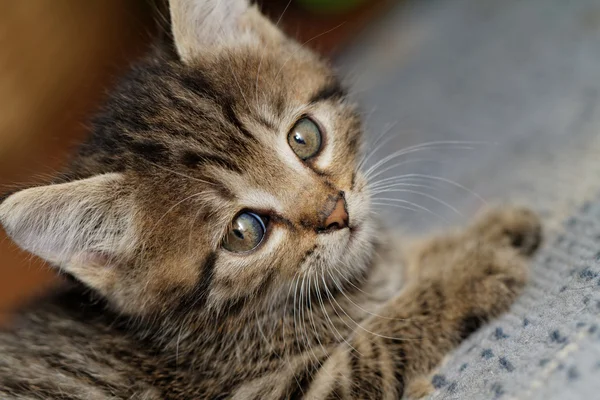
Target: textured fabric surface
510, 92
548, 346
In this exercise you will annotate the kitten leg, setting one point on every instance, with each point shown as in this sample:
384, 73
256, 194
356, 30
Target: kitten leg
419, 387
502, 227
514, 227
476, 281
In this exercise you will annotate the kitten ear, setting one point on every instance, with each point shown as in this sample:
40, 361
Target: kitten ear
199, 25
81, 226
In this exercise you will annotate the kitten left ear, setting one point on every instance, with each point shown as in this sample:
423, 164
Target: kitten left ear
81, 226
200, 25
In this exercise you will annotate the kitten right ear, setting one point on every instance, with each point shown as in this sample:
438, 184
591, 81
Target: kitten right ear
200, 25
85, 227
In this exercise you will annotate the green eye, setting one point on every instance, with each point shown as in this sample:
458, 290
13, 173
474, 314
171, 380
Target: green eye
305, 138
246, 233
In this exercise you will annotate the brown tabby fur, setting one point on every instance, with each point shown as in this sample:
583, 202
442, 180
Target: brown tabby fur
156, 309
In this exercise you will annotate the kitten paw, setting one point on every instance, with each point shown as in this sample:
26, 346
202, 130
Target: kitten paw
483, 280
514, 227
419, 388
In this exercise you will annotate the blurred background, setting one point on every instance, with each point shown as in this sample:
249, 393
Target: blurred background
486, 100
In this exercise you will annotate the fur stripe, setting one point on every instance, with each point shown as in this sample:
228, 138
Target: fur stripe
333, 90
26, 390
336, 393
151, 151
82, 376
197, 297
207, 275
470, 324
377, 379
201, 86
229, 112
366, 373
266, 123
400, 366
192, 159
300, 384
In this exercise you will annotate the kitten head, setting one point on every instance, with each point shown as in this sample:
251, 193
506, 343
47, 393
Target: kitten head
221, 175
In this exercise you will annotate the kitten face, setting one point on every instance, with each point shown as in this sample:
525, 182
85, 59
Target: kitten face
245, 130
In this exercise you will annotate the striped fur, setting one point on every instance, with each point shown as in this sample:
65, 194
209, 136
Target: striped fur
154, 308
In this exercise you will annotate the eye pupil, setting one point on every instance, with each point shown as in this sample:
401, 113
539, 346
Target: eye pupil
238, 233
299, 139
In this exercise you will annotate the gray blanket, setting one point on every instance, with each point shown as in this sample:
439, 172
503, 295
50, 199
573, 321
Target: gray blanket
507, 94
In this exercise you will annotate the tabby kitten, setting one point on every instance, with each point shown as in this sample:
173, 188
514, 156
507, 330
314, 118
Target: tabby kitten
219, 242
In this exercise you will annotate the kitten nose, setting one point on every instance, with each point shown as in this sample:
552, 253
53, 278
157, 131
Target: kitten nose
337, 218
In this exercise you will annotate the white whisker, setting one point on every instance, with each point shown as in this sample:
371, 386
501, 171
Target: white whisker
329, 297
441, 145
367, 330
422, 177
179, 173
426, 195
302, 46
263, 53
422, 208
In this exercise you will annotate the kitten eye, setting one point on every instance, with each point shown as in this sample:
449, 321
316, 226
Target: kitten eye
246, 233
305, 138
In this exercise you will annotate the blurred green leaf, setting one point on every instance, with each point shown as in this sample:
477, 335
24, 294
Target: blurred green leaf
329, 6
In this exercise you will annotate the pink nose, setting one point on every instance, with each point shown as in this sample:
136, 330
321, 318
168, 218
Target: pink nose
337, 218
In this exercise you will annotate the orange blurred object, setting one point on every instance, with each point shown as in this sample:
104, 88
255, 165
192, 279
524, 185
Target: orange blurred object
56, 59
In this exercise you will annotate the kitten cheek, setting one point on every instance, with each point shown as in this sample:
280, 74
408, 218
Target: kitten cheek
359, 207
360, 183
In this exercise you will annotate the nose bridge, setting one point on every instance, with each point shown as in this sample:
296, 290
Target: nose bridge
312, 202
338, 216
328, 207
315, 201
322, 208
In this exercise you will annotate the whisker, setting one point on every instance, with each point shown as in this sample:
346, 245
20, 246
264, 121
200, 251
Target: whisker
329, 297
371, 151
314, 325
422, 208
177, 345
421, 177
426, 195
382, 188
302, 46
369, 331
294, 308
395, 205
235, 78
442, 144
263, 54
302, 320
286, 361
449, 145
341, 290
336, 332
392, 167
309, 312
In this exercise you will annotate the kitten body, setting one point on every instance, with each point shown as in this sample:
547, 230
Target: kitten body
160, 305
